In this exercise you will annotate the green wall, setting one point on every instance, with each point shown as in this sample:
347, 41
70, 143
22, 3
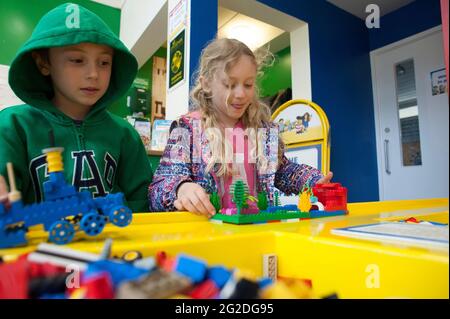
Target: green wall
144, 74
277, 77
18, 19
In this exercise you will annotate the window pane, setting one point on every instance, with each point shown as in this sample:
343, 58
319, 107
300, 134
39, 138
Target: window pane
408, 112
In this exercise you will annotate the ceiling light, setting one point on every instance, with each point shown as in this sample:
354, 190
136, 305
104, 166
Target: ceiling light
245, 33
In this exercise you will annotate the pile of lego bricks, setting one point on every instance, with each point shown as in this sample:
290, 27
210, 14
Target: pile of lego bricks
57, 272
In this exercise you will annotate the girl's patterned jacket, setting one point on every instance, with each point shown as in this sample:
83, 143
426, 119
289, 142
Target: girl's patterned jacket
187, 154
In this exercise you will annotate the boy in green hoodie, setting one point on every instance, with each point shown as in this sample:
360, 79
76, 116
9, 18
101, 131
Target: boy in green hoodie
67, 73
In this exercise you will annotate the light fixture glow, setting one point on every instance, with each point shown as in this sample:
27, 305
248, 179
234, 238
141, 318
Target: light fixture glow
246, 34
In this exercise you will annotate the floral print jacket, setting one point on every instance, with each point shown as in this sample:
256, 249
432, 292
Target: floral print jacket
186, 156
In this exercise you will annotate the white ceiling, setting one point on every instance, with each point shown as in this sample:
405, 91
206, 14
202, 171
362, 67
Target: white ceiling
252, 32
355, 7
358, 7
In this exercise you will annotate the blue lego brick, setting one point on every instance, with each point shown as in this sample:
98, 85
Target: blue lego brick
190, 267
274, 209
265, 282
323, 213
119, 271
109, 201
56, 187
12, 216
219, 275
290, 207
53, 296
48, 212
12, 238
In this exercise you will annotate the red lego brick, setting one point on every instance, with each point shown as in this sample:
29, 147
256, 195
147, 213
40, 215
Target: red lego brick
44, 270
160, 258
14, 279
206, 290
99, 286
333, 196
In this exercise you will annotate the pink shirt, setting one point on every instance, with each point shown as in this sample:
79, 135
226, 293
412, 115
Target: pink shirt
243, 167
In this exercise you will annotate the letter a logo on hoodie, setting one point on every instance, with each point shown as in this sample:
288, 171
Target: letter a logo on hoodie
85, 160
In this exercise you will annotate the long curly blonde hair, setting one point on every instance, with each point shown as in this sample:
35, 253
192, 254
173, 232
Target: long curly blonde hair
219, 56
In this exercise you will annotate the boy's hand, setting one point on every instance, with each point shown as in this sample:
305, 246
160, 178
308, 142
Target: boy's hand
326, 179
3, 191
193, 198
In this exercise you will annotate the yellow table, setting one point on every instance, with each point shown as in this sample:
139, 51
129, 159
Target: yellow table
352, 268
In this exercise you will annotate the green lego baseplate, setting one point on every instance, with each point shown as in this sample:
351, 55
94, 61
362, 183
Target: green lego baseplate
274, 216
260, 217
240, 198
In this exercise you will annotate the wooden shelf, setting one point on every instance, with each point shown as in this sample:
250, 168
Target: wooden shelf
155, 153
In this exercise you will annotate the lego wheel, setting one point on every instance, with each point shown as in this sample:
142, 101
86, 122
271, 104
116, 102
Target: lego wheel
131, 256
92, 223
61, 232
121, 216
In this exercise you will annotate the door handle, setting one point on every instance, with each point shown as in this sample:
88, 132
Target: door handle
386, 157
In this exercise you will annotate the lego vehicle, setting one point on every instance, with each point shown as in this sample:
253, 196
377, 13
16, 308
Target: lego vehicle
63, 210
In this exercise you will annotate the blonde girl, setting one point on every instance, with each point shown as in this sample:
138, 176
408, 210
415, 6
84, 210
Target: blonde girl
228, 135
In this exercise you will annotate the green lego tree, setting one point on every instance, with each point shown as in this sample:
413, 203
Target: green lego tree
276, 200
262, 201
215, 201
239, 191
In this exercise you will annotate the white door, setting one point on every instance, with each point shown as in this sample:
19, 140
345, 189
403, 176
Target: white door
411, 113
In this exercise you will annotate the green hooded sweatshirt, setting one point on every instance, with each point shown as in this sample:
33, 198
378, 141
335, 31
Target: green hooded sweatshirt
103, 153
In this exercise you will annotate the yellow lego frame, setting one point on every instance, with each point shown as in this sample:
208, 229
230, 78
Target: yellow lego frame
324, 141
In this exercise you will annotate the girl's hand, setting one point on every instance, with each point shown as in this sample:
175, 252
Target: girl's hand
193, 198
3, 191
326, 179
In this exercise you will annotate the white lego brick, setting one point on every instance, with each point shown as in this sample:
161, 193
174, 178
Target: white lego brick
270, 266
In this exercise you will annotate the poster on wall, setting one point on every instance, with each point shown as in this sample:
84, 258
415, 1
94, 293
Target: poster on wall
7, 96
143, 127
161, 132
299, 123
439, 82
176, 59
178, 17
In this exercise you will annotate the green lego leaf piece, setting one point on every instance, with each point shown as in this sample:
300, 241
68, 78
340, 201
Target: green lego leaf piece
215, 201
276, 200
262, 201
239, 191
